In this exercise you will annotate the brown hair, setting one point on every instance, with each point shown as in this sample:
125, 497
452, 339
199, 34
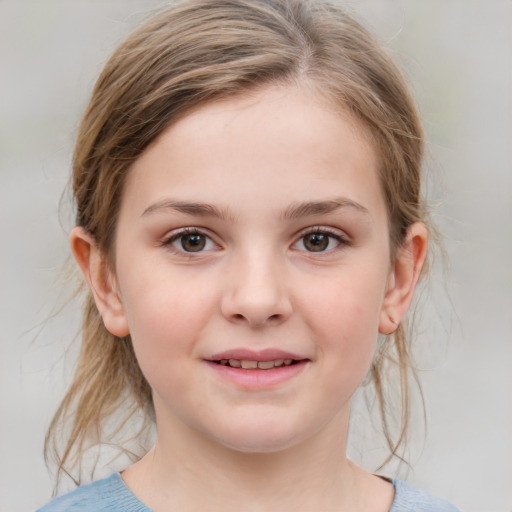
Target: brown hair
189, 54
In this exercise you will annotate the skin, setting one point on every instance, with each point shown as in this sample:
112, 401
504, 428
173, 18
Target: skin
254, 161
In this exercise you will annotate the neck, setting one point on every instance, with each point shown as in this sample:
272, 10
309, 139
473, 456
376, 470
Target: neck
193, 472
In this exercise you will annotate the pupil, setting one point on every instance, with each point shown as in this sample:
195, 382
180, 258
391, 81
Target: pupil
193, 243
316, 242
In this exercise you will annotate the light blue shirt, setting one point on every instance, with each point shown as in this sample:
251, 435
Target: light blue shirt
112, 495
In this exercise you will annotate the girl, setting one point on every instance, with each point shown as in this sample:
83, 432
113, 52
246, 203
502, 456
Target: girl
249, 221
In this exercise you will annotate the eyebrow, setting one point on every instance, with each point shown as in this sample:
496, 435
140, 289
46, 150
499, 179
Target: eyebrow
294, 211
311, 208
187, 207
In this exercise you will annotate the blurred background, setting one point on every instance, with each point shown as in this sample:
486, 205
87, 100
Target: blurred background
458, 57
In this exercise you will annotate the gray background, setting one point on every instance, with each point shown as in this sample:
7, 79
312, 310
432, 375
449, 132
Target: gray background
458, 55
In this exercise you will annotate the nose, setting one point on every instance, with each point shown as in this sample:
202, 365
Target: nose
256, 293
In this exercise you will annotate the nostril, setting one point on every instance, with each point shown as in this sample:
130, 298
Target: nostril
254, 309
272, 319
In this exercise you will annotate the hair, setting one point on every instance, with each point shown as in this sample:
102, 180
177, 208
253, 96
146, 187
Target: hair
199, 51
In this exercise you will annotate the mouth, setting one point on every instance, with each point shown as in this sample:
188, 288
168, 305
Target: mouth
247, 364
257, 369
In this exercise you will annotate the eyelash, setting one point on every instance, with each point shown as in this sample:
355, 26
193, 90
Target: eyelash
176, 236
316, 230
340, 239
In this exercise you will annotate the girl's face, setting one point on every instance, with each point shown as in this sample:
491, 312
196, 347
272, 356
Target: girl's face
251, 233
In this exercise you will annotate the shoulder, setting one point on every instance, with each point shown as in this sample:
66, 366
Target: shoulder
409, 498
106, 495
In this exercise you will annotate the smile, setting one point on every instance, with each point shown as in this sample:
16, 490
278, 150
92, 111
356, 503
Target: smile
257, 369
254, 365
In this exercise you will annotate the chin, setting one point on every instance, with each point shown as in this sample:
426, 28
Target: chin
260, 438
259, 446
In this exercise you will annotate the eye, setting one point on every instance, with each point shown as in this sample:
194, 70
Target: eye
190, 240
319, 241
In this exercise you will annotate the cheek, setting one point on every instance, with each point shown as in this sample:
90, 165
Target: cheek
165, 322
344, 314
348, 303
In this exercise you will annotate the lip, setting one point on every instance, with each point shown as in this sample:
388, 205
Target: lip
268, 354
256, 379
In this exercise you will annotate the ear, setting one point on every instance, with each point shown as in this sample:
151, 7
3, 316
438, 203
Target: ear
101, 280
403, 277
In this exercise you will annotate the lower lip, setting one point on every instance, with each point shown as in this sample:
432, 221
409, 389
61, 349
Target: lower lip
257, 378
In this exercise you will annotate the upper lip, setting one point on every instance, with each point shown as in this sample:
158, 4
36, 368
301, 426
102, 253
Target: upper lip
243, 354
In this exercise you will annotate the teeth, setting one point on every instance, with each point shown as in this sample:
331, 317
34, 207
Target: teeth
266, 365
249, 365
252, 365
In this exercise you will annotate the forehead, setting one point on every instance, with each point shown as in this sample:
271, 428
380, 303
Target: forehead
279, 144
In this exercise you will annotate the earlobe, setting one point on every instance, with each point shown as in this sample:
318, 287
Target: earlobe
101, 281
404, 277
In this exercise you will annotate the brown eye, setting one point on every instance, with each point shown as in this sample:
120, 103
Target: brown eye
193, 242
320, 241
316, 242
